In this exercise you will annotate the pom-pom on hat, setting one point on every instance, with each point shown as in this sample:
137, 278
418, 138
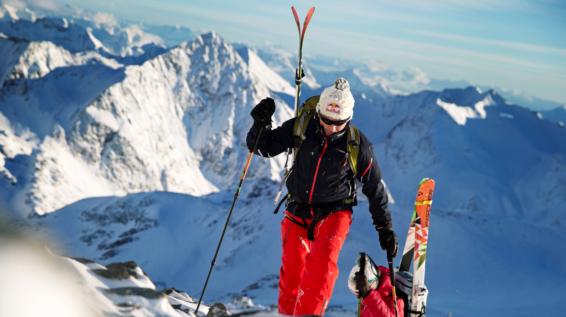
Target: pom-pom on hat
336, 102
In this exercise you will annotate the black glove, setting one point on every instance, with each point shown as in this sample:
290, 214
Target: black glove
388, 241
263, 111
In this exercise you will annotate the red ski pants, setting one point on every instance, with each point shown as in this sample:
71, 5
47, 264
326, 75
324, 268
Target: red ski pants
309, 269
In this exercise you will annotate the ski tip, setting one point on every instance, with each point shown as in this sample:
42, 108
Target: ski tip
308, 18
311, 12
426, 179
297, 20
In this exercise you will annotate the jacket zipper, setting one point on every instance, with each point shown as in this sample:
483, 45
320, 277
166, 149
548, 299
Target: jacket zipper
324, 147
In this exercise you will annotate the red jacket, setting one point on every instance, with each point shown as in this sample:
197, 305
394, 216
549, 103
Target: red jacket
379, 302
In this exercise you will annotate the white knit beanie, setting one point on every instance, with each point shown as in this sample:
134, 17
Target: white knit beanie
338, 94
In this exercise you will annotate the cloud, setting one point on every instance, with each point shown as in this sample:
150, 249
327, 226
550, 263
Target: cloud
526, 47
105, 19
421, 48
481, 5
47, 5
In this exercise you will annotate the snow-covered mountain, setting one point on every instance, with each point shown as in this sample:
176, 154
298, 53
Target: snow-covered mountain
512, 96
121, 159
372, 79
190, 106
83, 33
467, 138
557, 114
32, 59
56, 30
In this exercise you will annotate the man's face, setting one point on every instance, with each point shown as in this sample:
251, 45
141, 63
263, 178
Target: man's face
330, 126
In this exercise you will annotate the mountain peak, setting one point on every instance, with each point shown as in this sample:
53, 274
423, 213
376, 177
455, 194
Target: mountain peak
8, 12
210, 38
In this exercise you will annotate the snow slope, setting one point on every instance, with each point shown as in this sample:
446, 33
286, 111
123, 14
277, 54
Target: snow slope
83, 32
31, 60
505, 233
121, 159
56, 30
75, 287
186, 229
137, 128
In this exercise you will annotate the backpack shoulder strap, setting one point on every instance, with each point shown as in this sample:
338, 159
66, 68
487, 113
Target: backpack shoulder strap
303, 118
353, 139
306, 112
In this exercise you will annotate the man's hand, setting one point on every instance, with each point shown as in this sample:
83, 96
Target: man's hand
388, 241
263, 111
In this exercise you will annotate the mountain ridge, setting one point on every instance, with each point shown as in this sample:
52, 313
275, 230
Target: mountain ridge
144, 156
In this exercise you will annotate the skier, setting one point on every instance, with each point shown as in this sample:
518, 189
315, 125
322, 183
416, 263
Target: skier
372, 285
330, 154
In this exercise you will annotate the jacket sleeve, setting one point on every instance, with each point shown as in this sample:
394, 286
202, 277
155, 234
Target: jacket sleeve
369, 175
271, 142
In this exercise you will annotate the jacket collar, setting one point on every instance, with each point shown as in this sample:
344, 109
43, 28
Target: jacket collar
334, 137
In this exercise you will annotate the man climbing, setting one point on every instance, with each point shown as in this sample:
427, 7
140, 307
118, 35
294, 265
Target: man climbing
330, 154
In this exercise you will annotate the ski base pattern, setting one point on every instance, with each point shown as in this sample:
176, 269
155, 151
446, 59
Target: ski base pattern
412, 287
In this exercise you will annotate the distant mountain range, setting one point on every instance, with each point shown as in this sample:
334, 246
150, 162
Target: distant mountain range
130, 150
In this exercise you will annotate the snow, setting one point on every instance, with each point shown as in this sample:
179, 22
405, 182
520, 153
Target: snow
262, 73
8, 12
118, 124
69, 287
458, 113
480, 105
138, 161
63, 178
285, 63
50, 292
34, 60
83, 33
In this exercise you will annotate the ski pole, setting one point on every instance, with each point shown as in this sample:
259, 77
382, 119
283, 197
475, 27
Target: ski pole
362, 264
236, 195
392, 277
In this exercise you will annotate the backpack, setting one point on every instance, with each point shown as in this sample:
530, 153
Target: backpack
306, 113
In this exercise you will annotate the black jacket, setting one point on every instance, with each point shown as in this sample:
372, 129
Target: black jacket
334, 181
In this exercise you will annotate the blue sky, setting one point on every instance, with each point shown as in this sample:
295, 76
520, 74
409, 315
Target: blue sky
515, 44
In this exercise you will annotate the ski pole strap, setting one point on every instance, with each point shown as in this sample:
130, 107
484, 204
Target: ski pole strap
299, 74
